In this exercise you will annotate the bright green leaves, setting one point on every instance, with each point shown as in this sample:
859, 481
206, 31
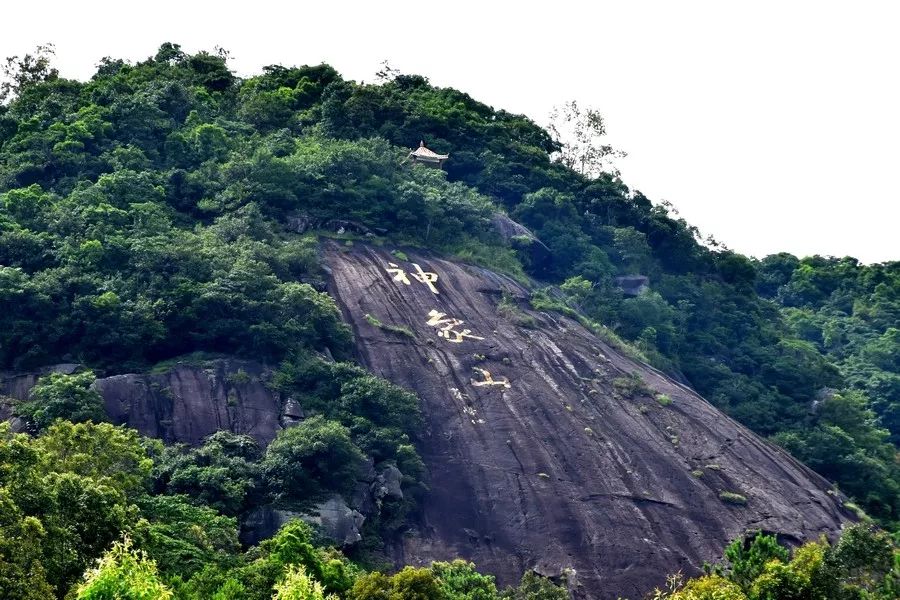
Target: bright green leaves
60, 396
297, 585
124, 573
311, 458
863, 563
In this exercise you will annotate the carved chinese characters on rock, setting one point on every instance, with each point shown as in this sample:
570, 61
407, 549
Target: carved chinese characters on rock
448, 327
487, 380
401, 276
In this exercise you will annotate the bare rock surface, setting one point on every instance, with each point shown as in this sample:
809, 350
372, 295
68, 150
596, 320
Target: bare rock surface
184, 402
549, 449
187, 402
18, 385
337, 521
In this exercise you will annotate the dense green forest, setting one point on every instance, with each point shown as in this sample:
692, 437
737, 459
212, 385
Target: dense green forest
144, 216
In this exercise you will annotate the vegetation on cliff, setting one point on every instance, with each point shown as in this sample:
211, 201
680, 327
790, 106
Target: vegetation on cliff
147, 213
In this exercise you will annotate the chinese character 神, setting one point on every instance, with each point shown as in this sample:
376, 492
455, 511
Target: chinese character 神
426, 277
488, 379
446, 326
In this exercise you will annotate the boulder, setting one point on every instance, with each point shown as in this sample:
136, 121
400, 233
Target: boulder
387, 484
263, 522
337, 521
520, 237
184, 403
633, 285
292, 413
189, 401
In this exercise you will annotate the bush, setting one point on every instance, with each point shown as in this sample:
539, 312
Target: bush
60, 396
534, 587
732, 498
631, 386
123, 573
460, 581
309, 459
297, 585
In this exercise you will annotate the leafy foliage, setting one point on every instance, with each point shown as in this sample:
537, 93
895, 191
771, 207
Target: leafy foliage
60, 396
310, 458
863, 563
224, 473
297, 585
123, 574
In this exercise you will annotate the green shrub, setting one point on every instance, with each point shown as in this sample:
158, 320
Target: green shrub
732, 498
508, 308
309, 459
123, 573
239, 377
297, 585
398, 329
60, 396
631, 386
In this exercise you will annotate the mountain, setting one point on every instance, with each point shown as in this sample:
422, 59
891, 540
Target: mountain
201, 258
548, 448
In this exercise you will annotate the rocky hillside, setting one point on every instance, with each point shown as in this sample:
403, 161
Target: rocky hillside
546, 444
548, 448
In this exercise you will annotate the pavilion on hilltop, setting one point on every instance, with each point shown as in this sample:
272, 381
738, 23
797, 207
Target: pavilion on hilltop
423, 155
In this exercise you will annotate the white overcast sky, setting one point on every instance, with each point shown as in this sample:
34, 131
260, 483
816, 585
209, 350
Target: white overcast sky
769, 125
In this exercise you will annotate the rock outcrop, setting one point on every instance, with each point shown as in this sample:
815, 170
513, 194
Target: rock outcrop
548, 448
183, 402
633, 285
336, 520
16, 386
187, 402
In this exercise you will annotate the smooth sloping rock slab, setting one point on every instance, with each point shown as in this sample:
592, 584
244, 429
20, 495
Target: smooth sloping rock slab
564, 471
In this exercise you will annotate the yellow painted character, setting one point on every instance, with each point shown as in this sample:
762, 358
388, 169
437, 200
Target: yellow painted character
488, 379
398, 273
426, 277
446, 326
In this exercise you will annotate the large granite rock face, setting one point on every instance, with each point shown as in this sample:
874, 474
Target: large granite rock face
549, 449
183, 403
188, 402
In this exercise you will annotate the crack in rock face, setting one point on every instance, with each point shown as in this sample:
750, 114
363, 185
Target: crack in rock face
549, 449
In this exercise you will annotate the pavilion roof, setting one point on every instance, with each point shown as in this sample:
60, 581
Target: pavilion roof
426, 154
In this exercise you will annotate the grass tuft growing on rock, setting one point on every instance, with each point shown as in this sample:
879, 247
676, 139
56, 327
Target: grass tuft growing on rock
733, 498
399, 329
856, 510
508, 309
630, 386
